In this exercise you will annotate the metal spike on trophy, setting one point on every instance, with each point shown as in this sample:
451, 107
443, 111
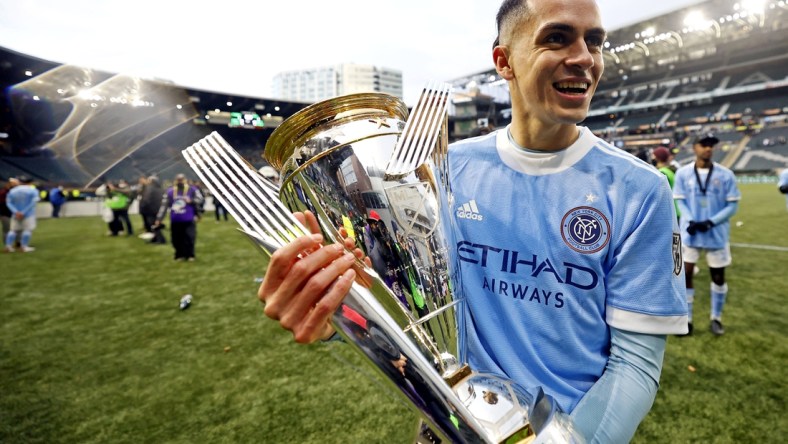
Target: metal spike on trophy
359, 162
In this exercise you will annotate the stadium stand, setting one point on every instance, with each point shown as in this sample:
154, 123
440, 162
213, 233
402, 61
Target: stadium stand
76, 126
714, 66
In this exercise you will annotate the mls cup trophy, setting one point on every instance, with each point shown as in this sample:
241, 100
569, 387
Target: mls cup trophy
359, 162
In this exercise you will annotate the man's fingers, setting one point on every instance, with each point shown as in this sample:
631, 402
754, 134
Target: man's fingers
314, 324
282, 260
311, 222
312, 273
292, 311
350, 243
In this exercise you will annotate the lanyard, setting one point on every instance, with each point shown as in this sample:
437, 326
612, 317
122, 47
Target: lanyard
705, 186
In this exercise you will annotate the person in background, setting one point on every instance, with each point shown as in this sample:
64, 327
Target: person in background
5, 213
219, 209
57, 198
708, 197
184, 203
151, 195
782, 184
119, 200
674, 164
565, 202
663, 158
21, 200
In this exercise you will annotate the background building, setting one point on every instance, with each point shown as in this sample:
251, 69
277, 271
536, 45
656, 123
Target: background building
313, 85
720, 66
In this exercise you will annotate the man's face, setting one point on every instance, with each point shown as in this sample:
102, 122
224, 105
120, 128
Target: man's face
703, 151
555, 60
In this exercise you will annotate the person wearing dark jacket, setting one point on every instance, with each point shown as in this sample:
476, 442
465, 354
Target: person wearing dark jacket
150, 201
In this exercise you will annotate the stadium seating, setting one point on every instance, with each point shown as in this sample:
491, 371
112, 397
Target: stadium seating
728, 76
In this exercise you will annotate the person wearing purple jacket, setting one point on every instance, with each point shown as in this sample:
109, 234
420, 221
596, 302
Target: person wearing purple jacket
184, 202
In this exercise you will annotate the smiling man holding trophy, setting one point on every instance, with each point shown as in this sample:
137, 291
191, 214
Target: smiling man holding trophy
507, 280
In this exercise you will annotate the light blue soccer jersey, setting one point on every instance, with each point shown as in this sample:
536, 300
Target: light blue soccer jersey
552, 249
720, 189
23, 198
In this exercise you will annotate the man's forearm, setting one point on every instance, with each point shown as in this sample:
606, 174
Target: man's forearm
612, 410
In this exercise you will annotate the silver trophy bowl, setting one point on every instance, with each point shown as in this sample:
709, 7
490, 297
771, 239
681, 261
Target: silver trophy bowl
344, 160
359, 163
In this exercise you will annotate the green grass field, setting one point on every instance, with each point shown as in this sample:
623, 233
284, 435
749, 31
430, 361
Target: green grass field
93, 348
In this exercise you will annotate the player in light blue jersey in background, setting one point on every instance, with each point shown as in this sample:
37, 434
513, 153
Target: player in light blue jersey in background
782, 183
708, 196
21, 200
567, 249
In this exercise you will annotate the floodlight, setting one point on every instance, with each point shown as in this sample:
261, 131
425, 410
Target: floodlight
753, 6
695, 19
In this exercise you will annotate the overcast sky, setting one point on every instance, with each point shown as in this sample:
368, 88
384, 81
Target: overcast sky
237, 47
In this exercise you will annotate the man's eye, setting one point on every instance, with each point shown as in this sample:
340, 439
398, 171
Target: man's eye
555, 38
595, 41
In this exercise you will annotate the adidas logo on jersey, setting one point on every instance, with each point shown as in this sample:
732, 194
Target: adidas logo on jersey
469, 211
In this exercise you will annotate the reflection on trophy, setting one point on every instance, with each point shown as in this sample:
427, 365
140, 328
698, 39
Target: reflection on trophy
358, 162
350, 160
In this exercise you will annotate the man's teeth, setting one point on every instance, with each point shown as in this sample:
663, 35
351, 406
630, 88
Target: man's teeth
572, 85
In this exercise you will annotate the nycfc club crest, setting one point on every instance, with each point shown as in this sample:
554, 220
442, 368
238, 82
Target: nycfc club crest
678, 262
585, 230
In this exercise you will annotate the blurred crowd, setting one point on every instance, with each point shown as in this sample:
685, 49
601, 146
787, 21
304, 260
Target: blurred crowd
175, 206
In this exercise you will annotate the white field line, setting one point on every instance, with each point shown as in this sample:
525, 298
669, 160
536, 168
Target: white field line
760, 247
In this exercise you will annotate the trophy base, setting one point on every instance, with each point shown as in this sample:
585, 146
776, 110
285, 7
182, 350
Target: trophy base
502, 408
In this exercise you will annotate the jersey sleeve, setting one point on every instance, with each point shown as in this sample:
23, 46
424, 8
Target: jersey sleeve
732, 193
645, 281
618, 401
679, 186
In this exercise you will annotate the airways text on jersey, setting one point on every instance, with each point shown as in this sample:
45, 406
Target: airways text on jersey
513, 270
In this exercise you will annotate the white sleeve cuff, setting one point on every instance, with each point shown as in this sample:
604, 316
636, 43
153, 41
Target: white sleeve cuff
646, 323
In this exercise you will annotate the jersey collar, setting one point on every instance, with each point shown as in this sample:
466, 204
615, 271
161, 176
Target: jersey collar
538, 163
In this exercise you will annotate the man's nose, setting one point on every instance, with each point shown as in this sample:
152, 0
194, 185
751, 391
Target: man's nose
580, 56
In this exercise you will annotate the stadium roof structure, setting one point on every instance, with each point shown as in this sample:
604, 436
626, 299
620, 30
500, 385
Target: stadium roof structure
76, 113
689, 38
695, 33
72, 124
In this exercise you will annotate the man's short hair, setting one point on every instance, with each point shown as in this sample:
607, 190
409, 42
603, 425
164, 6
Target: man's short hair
509, 14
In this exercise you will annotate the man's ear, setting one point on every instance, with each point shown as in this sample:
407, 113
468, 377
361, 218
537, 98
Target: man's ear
501, 60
